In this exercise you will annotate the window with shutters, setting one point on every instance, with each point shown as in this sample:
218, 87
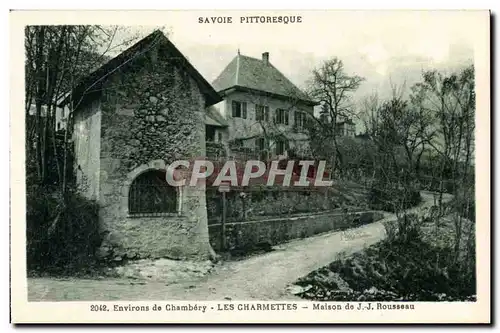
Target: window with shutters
260, 144
239, 110
299, 120
261, 149
261, 113
281, 146
151, 195
282, 116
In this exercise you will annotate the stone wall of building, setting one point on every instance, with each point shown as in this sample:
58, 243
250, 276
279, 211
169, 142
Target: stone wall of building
152, 113
250, 127
87, 142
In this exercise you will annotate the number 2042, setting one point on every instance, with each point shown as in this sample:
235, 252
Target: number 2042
100, 307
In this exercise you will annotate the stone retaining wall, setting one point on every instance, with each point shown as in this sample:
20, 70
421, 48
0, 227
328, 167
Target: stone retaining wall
249, 234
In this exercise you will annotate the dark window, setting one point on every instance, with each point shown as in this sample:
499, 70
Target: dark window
150, 194
261, 148
282, 116
260, 144
238, 143
350, 130
210, 133
340, 129
261, 113
219, 136
239, 110
281, 147
300, 120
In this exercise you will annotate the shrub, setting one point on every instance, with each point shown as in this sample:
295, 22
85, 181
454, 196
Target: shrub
406, 229
393, 198
393, 271
464, 202
401, 267
62, 235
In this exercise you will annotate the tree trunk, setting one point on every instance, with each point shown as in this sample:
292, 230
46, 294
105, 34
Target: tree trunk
39, 95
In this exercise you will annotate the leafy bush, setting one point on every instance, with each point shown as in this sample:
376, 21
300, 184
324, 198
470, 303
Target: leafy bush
62, 233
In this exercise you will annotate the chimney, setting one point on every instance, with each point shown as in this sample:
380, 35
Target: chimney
265, 57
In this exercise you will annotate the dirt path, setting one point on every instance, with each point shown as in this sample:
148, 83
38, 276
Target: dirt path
263, 277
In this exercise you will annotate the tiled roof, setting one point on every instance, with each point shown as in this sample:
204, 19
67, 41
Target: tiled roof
256, 74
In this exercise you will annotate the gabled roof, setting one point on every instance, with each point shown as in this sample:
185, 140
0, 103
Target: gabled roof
139, 48
214, 118
255, 74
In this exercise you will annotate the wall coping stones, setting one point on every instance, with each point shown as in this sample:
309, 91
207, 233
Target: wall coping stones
294, 218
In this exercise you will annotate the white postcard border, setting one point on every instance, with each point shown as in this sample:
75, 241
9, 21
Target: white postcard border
79, 312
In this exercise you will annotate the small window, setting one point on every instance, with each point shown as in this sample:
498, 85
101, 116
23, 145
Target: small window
281, 147
351, 130
340, 129
219, 137
261, 113
238, 143
282, 116
239, 110
261, 149
151, 195
209, 134
260, 144
300, 120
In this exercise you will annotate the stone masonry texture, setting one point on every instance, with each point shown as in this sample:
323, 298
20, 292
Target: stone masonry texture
247, 235
151, 113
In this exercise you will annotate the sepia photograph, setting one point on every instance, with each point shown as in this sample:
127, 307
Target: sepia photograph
253, 162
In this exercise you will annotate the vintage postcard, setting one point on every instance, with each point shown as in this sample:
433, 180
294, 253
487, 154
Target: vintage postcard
250, 166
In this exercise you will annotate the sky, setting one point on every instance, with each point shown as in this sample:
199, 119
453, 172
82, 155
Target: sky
384, 47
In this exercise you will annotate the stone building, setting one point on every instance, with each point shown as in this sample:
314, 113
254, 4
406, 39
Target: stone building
133, 116
265, 112
216, 128
346, 128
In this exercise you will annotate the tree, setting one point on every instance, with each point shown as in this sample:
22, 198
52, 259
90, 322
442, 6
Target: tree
451, 99
331, 86
369, 114
57, 57
358, 156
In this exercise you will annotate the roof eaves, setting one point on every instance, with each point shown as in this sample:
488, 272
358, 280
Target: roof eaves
105, 70
214, 122
229, 90
156, 36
